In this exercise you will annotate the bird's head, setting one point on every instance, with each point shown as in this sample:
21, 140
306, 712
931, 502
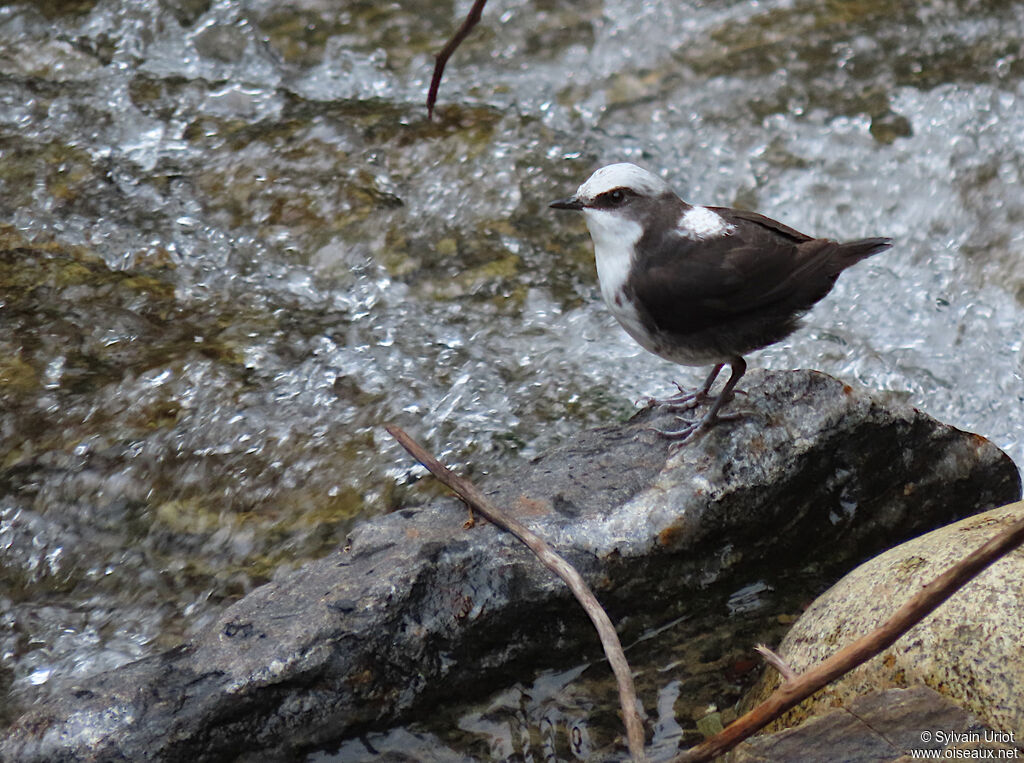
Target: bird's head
620, 199
616, 187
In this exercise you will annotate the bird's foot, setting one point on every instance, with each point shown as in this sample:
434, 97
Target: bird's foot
691, 430
687, 432
684, 400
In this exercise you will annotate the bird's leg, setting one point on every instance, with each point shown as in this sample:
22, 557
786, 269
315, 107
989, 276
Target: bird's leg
686, 400
691, 429
703, 391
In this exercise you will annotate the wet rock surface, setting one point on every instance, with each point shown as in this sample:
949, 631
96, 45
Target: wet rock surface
416, 608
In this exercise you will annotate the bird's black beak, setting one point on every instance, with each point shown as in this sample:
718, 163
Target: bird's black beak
570, 203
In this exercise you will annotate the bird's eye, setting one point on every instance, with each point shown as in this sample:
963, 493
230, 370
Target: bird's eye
613, 198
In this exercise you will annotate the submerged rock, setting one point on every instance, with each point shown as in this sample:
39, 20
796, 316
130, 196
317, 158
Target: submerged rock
968, 650
416, 608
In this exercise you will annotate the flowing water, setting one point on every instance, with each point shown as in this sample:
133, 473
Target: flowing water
233, 247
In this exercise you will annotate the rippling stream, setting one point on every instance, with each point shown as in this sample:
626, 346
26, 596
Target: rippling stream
233, 247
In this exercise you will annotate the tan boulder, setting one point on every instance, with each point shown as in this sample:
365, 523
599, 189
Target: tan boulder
971, 649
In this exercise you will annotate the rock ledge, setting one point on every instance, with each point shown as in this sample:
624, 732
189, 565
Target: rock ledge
415, 607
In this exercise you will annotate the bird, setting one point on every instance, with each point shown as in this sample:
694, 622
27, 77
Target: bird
702, 285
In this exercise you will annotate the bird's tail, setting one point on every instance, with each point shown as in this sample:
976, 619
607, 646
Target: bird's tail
853, 252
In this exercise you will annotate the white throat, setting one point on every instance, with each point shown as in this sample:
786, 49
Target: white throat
615, 239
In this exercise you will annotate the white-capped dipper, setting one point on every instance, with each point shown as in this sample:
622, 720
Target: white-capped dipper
702, 285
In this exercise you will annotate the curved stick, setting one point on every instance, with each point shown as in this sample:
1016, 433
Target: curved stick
605, 630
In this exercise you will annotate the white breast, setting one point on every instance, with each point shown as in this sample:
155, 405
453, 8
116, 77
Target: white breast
615, 240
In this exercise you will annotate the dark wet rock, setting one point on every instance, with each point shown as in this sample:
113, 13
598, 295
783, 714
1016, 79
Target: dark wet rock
968, 650
889, 126
416, 609
877, 728
55, 8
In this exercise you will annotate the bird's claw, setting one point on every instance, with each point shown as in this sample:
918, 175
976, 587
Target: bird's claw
691, 430
682, 435
684, 400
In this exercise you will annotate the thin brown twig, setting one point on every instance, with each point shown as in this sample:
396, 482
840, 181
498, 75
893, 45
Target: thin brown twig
605, 630
923, 603
787, 673
441, 59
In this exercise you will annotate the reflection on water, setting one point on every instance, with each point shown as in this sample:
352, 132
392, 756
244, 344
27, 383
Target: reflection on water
689, 674
231, 247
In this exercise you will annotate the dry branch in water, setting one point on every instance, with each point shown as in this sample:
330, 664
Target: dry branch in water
605, 630
797, 688
441, 60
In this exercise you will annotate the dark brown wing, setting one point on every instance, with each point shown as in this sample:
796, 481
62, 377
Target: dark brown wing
735, 215
763, 270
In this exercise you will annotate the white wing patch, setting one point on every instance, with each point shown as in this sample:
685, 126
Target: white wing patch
701, 223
